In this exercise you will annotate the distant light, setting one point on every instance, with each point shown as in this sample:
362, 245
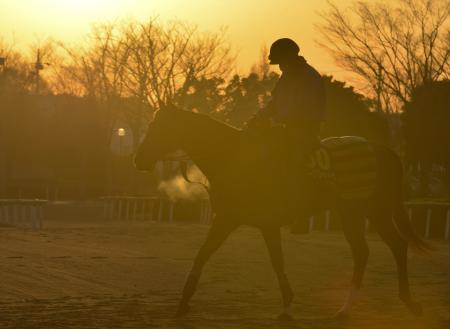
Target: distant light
121, 132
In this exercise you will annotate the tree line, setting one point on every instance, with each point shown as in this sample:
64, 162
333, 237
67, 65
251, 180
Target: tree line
400, 50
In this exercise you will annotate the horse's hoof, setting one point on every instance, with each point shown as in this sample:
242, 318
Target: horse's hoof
300, 228
342, 315
285, 317
182, 311
415, 308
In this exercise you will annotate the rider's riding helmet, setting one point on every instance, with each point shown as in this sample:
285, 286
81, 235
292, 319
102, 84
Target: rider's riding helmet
284, 48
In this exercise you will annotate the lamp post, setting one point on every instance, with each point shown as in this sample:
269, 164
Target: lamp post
3, 63
3, 67
38, 67
4, 158
121, 132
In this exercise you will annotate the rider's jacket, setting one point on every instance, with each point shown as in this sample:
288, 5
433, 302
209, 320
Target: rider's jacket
298, 98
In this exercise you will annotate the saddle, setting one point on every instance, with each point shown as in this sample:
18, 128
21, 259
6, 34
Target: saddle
346, 163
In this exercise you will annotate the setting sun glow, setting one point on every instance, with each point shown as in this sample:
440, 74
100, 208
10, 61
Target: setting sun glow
81, 5
33, 21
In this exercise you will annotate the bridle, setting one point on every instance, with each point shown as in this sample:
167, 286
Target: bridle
183, 159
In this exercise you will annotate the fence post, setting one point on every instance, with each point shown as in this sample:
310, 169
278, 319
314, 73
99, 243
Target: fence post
22, 212
428, 223
105, 207
39, 216
34, 216
119, 210
447, 226
150, 204
8, 214
311, 224
327, 220
2, 214
410, 212
171, 206
160, 210
127, 208
112, 207
208, 212
203, 211
135, 205
15, 219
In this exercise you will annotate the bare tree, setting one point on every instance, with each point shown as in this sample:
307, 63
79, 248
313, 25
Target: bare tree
165, 57
262, 67
146, 63
95, 70
393, 46
15, 74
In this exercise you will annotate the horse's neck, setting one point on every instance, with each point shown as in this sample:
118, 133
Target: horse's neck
210, 144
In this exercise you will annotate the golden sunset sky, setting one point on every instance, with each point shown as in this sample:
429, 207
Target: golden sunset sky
251, 23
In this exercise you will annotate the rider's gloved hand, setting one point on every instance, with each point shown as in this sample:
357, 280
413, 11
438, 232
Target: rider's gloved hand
259, 120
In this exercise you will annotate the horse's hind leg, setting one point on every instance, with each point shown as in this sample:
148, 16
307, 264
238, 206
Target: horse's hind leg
354, 231
399, 247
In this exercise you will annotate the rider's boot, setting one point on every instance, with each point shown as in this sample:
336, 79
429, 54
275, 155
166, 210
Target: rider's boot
301, 161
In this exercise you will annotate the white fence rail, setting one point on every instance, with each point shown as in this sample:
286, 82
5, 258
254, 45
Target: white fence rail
431, 220
147, 208
23, 213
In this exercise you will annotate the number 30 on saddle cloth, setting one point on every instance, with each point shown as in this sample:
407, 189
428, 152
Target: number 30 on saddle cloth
348, 163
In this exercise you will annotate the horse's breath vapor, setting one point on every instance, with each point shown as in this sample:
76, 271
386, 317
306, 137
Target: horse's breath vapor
177, 188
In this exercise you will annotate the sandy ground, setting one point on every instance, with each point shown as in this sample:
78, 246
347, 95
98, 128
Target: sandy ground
95, 274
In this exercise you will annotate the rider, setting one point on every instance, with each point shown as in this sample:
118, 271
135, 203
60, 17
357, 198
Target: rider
298, 102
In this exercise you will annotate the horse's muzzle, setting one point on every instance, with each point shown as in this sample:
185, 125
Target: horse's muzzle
144, 163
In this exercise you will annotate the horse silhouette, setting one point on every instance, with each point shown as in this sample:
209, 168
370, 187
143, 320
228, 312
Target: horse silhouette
245, 189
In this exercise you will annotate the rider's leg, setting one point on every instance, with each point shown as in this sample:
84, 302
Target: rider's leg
304, 142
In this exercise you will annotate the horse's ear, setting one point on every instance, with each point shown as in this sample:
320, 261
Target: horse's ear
166, 106
170, 106
162, 105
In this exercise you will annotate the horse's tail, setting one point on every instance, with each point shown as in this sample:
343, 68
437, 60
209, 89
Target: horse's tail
400, 215
406, 230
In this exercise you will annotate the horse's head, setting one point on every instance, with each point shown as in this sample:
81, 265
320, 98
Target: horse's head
162, 139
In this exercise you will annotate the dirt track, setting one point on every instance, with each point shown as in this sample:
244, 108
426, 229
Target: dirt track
129, 275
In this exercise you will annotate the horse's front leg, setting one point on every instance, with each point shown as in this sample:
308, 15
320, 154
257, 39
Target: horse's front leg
218, 232
273, 241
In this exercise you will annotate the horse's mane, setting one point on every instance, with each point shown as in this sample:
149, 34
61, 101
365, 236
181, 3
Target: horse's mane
205, 121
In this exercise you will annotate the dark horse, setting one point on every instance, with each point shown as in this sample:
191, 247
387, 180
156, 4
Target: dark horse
244, 189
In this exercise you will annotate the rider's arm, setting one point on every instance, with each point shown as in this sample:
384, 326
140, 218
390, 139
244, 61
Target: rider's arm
261, 117
268, 111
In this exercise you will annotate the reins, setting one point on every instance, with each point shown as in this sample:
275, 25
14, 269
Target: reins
184, 163
183, 170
